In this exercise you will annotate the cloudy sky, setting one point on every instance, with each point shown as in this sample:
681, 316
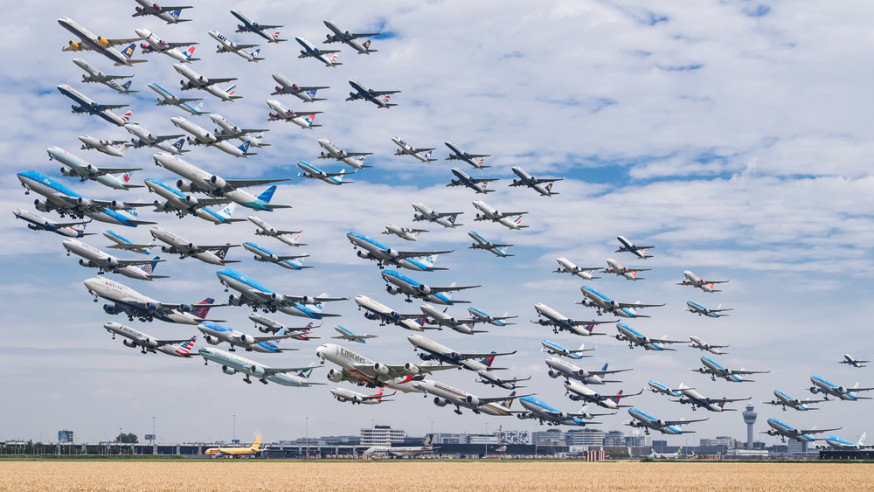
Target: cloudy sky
733, 135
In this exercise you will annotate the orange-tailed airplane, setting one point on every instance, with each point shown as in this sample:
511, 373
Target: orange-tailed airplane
255, 448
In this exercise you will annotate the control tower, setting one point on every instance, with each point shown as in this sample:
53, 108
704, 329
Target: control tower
750, 419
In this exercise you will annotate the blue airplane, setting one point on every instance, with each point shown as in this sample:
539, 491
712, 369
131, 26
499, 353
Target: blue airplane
700, 310
256, 295
634, 337
555, 349
121, 242
397, 283
168, 99
380, 98
785, 430
347, 334
310, 171
372, 249
259, 29
547, 414
498, 249
673, 427
785, 400
715, 370
215, 334
476, 184
827, 388
658, 387
839, 443
603, 304
483, 317
291, 262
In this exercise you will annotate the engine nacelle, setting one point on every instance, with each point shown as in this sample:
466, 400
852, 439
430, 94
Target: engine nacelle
113, 262
361, 254
620, 337
41, 206
228, 370
66, 172
842, 390
473, 400
411, 369
517, 182
103, 41
190, 200
424, 289
166, 249
234, 300
392, 289
660, 422
455, 355
212, 339
257, 371
217, 181
86, 263
75, 46
553, 374
440, 402
151, 306
83, 202
335, 376
245, 339
129, 343
149, 342
308, 300
183, 185
380, 368
614, 305
392, 253
582, 373
110, 309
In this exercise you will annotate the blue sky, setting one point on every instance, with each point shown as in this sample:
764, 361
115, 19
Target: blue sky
735, 136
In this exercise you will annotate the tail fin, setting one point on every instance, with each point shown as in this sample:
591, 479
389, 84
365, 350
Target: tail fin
312, 93
366, 45
245, 146
186, 347
548, 187
430, 260
310, 119
617, 397
489, 360
129, 51
125, 177
267, 194
255, 53
721, 404
230, 90
127, 84
429, 439
175, 13
126, 117
518, 220
862, 439
149, 268
603, 368
305, 373
198, 108
427, 155
256, 446
179, 143
189, 52
334, 60
228, 212
509, 401
202, 312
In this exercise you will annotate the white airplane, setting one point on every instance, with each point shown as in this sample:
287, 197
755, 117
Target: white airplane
733, 376
615, 267
228, 46
310, 51
197, 81
304, 93
659, 388
338, 154
79, 168
259, 29
550, 317
99, 77
547, 414
423, 154
105, 46
700, 310
431, 350
559, 368
553, 348
228, 129
701, 345
267, 325
484, 317
577, 392
476, 184
145, 138
346, 334
497, 249
372, 249
170, 15
784, 400
85, 104
403, 451
356, 398
672, 427
639, 251
380, 98
503, 218
264, 229
458, 154
362, 371
181, 204
105, 262
566, 266
312, 172
827, 388
340, 36
635, 338
403, 232
257, 296
200, 136
396, 283
135, 338
135, 305
689, 396
490, 378
603, 304
36, 222
168, 99
849, 360
535, 184
384, 314
215, 334
424, 212
695, 281
154, 44
441, 318
115, 148
785, 430
445, 395
125, 244
232, 364
837, 443
176, 244
290, 262
302, 119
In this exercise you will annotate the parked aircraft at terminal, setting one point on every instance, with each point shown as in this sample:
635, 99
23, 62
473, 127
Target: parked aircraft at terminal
836, 442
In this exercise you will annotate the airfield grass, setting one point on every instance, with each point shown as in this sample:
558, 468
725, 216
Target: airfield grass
422, 475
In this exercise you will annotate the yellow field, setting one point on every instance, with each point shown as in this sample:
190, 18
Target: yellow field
252, 475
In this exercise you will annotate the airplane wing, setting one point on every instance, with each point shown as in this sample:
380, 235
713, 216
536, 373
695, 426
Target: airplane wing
357, 35
453, 288
216, 246
817, 431
465, 356
243, 183
275, 337
484, 180
466, 156
179, 44
853, 390
312, 88
70, 224
317, 299
113, 170
181, 100
729, 400
440, 215
142, 262
116, 42
661, 340
220, 80
263, 27
278, 370
638, 305
610, 397
356, 154
714, 281
382, 93
682, 422
101, 107
415, 254
170, 342
503, 215
546, 180
132, 247
744, 371
611, 371
583, 323
161, 138
500, 398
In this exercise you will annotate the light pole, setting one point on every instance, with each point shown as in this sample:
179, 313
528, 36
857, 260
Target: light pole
154, 437
234, 438
486, 440
308, 438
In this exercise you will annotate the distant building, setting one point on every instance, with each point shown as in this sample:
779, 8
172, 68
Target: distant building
551, 437
641, 441
381, 435
482, 439
340, 440
614, 438
516, 437
584, 437
65, 436
449, 438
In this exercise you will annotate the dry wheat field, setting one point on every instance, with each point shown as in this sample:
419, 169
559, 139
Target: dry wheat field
254, 475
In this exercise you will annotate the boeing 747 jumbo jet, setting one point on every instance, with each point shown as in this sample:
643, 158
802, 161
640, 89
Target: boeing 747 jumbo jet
303, 119
476, 184
310, 51
566, 266
257, 296
100, 44
264, 229
362, 371
425, 213
85, 104
673, 427
304, 93
635, 338
785, 430
105, 262
559, 368
37, 222
733, 376
79, 168
603, 304
783, 400
170, 15
197, 81
168, 99
178, 245
135, 305
423, 154
228, 46
254, 449
503, 218
340, 155
349, 38
550, 317
380, 98
628, 246
99, 77
403, 232
695, 281
396, 283
535, 184
378, 311
577, 392
200, 136
147, 343
460, 155
827, 388
232, 364
259, 29
689, 396
547, 414
372, 249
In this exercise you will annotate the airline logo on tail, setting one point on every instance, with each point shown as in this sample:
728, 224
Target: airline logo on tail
189, 52
181, 141
617, 397
175, 13
427, 155
312, 93
333, 59
305, 373
186, 347
202, 312
126, 85
489, 360
230, 90
256, 53
245, 146
310, 119
367, 45
129, 51
150, 267
126, 177
126, 117
549, 187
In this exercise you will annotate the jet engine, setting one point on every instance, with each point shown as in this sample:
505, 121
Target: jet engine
335, 375
129, 343
212, 340
553, 374
473, 400
380, 368
424, 289
440, 402
110, 309
86, 263
411, 369
392, 289
257, 371
228, 370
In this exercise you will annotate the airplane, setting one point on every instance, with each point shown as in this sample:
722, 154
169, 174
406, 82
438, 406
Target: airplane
733, 376
354, 397
302, 119
104, 46
181, 204
304, 93
614, 266
483, 317
115, 148
628, 246
170, 15
402, 451
603, 304
785, 430
657, 387
78, 168
476, 184
346, 37
197, 81
785, 400
360, 370
154, 44
168, 99
135, 305
310, 51
65, 201
550, 317
372, 249
828, 388
560, 368
438, 317
176, 244
397, 283
431, 350
690, 396
546, 414
228, 46
336, 153
700, 310
200, 136
37, 222
849, 360
215, 334
445, 395
635, 338
503, 218
837, 443
267, 230
423, 154
535, 184
488, 377
346, 334
232, 364
566, 266
577, 392
378, 311
673, 427
259, 29
290, 262
312, 172
105, 262
145, 138
679, 454
236, 452
228, 129
135, 338
87, 105
705, 285
424, 212
380, 98
257, 296
713, 349
458, 154
123, 243
403, 232
201, 181
99, 77
553, 348
497, 249
267, 325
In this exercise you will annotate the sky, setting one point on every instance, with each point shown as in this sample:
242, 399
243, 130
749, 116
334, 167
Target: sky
733, 135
